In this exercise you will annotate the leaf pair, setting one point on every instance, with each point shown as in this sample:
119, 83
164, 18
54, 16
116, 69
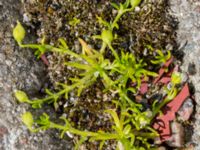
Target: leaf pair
161, 58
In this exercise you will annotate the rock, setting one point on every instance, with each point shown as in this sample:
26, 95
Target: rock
190, 147
177, 138
138, 98
161, 148
157, 141
3, 131
186, 110
192, 69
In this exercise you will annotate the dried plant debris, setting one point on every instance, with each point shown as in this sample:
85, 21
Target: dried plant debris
111, 97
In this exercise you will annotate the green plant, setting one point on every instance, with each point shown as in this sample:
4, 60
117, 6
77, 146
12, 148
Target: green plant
131, 127
125, 133
94, 65
107, 34
129, 68
74, 22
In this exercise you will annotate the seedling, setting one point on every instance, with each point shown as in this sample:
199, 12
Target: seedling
74, 22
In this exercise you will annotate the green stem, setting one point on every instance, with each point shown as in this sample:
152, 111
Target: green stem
171, 94
103, 47
159, 107
50, 48
120, 13
114, 52
54, 96
40, 101
35, 46
96, 135
54, 49
51, 96
146, 134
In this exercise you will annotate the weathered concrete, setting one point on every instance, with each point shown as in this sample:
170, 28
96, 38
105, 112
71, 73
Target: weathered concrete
19, 70
188, 14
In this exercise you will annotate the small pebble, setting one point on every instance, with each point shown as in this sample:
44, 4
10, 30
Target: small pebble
161, 148
177, 138
186, 110
137, 9
3, 131
192, 69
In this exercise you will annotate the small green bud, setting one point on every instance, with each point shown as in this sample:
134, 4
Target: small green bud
176, 78
143, 121
107, 36
21, 96
27, 119
19, 33
135, 3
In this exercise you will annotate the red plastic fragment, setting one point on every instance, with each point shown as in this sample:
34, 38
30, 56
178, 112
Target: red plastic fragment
165, 80
162, 122
166, 77
179, 99
143, 88
162, 70
44, 59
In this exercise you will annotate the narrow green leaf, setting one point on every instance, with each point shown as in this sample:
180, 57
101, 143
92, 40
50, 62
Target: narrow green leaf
36, 105
126, 4
48, 92
115, 117
135, 3
75, 21
101, 144
78, 65
127, 129
115, 5
63, 43
160, 53
103, 22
